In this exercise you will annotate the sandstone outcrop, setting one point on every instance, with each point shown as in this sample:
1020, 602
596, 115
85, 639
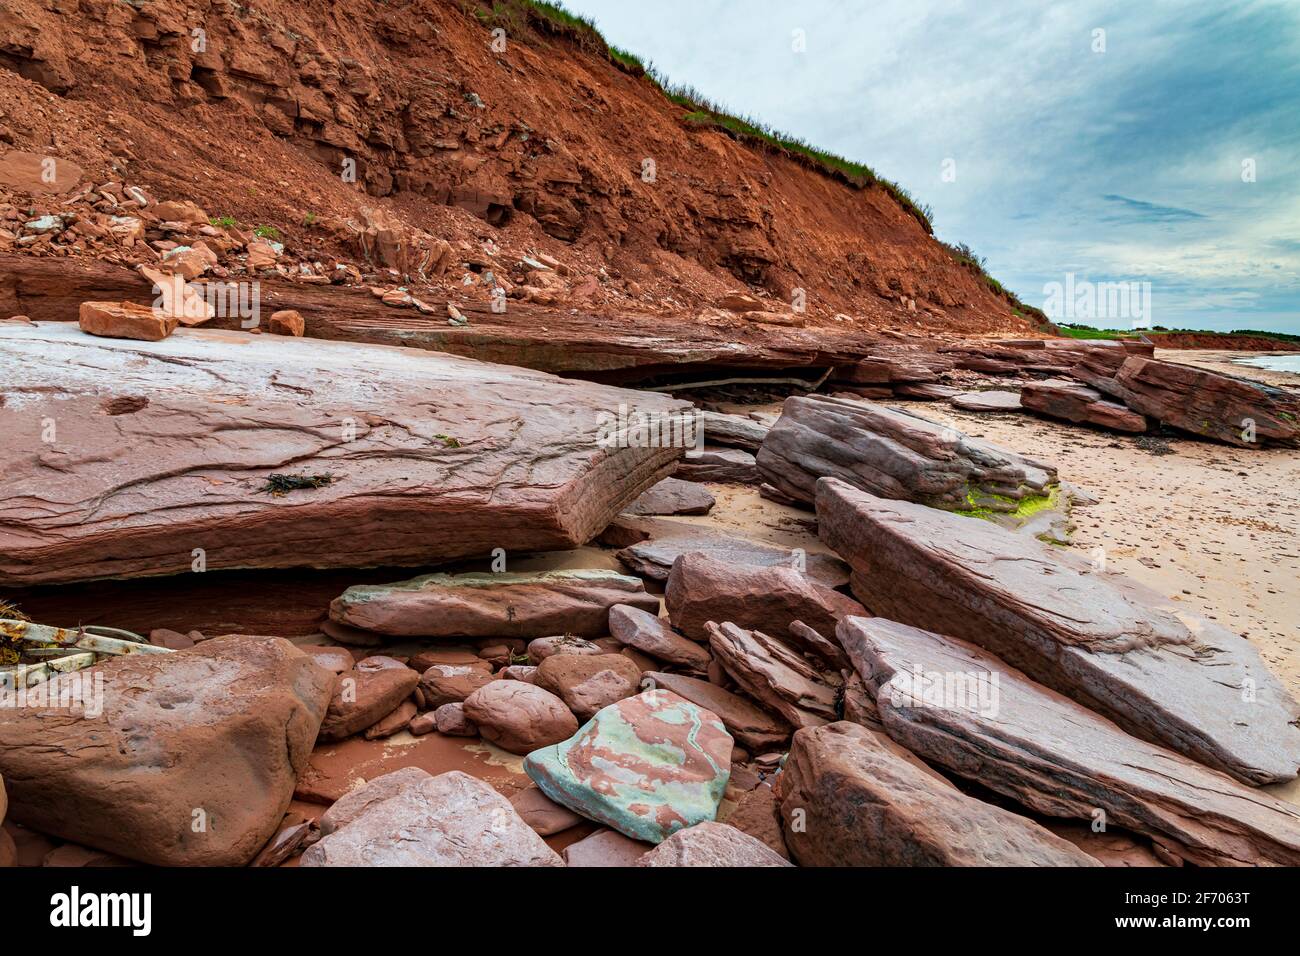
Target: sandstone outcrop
997, 726
385, 456
1098, 638
1073, 402
895, 454
853, 797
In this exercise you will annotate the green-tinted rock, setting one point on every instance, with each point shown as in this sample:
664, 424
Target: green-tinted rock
646, 766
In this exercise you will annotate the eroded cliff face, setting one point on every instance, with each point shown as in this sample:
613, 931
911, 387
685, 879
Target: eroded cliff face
258, 111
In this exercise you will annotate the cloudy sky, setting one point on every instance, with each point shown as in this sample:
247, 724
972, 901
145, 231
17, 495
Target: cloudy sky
1116, 157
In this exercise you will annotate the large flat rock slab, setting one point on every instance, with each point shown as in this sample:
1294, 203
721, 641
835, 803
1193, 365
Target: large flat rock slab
505, 604
961, 708
1099, 638
123, 457
853, 797
894, 454
192, 761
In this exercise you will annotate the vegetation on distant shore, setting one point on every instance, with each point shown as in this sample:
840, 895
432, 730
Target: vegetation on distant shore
1077, 331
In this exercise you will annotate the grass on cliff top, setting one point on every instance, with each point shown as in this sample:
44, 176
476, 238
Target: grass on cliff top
555, 18
967, 257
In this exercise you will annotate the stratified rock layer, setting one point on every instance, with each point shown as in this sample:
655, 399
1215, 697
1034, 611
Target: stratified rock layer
1209, 404
1061, 398
1056, 757
853, 797
523, 605
1098, 638
894, 454
122, 457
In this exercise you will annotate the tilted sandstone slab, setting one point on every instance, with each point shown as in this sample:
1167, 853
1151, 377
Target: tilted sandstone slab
1209, 404
736, 431
506, 604
1099, 638
853, 797
1058, 758
1073, 402
701, 589
775, 675
216, 734
122, 457
895, 454
666, 541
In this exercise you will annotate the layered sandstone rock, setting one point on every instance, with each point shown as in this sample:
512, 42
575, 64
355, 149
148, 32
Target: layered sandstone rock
125, 320
192, 761
895, 454
853, 797
1056, 757
493, 605
733, 430
651, 635
775, 675
711, 844
1061, 398
1209, 404
703, 589
993, 400
164, 452
665, 541
1099, 638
